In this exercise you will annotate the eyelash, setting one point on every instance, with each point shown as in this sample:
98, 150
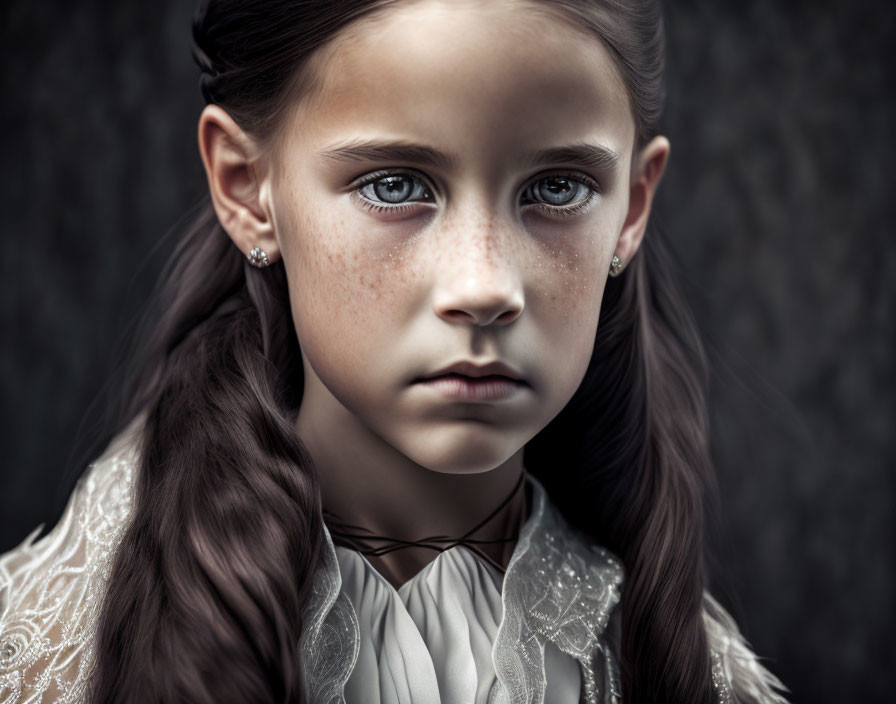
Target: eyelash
551, 210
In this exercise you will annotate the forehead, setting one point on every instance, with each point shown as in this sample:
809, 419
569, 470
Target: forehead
471, 77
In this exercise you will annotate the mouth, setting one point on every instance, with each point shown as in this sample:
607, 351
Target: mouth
470, 370
466, 381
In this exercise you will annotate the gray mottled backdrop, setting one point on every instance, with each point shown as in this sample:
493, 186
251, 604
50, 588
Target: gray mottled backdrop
778, 200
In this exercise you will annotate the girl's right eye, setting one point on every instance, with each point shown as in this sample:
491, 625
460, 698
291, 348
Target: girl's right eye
392, 192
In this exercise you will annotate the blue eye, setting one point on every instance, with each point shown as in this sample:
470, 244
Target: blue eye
394, 189
562, 194
555, 190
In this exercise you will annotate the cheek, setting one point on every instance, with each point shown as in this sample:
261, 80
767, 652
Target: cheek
570, 274
568, 284
342, 289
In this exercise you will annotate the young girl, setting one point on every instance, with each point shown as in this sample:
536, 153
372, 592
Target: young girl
421, 417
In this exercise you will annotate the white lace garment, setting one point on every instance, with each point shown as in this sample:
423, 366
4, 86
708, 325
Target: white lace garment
459, 632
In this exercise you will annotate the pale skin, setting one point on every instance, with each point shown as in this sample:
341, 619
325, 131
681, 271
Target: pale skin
473, 263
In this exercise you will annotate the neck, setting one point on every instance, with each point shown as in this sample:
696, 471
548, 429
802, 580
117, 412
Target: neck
365, 482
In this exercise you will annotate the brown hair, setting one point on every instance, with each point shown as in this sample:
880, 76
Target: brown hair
208, 585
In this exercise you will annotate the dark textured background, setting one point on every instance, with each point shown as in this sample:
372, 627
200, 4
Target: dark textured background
777, 199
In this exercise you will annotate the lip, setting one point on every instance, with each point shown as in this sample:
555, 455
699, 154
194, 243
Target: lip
466, 381
473, 370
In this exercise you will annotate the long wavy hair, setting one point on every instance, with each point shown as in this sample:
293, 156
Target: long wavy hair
207, 588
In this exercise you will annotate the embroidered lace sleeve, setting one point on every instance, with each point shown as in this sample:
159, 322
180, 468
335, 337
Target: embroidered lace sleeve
51, 590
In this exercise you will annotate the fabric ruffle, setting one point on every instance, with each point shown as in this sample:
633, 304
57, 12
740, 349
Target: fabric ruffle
431, 641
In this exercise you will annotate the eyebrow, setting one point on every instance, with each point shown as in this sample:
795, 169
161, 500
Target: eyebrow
580, 154
390, 151
594, 156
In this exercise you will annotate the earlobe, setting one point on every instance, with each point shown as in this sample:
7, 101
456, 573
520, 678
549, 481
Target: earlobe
236, 185
648, 171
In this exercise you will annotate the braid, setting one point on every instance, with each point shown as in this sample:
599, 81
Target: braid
635, 443
226, 524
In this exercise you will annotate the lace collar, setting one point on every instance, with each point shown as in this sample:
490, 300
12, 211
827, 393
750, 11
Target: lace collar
558, 587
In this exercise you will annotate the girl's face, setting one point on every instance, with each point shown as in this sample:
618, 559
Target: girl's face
451, 192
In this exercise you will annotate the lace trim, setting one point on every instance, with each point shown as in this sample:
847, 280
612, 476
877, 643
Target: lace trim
54, 589
560, 588
331, 638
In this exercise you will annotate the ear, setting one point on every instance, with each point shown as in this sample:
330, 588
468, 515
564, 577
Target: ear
646, 174
236, 181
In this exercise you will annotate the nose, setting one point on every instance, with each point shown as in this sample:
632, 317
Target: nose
478, 282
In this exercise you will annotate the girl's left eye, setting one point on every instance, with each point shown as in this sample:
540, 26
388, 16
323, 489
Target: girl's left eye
556, 194
562, 195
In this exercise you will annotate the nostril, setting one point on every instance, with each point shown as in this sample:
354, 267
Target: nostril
458, 316
508, 316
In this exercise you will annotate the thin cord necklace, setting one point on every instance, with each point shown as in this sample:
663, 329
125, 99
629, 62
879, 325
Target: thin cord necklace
358, 538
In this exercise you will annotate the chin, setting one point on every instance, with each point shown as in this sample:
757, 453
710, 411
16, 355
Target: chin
464, 455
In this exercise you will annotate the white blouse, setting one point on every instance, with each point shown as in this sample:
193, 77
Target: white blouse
431, 641
458, 632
